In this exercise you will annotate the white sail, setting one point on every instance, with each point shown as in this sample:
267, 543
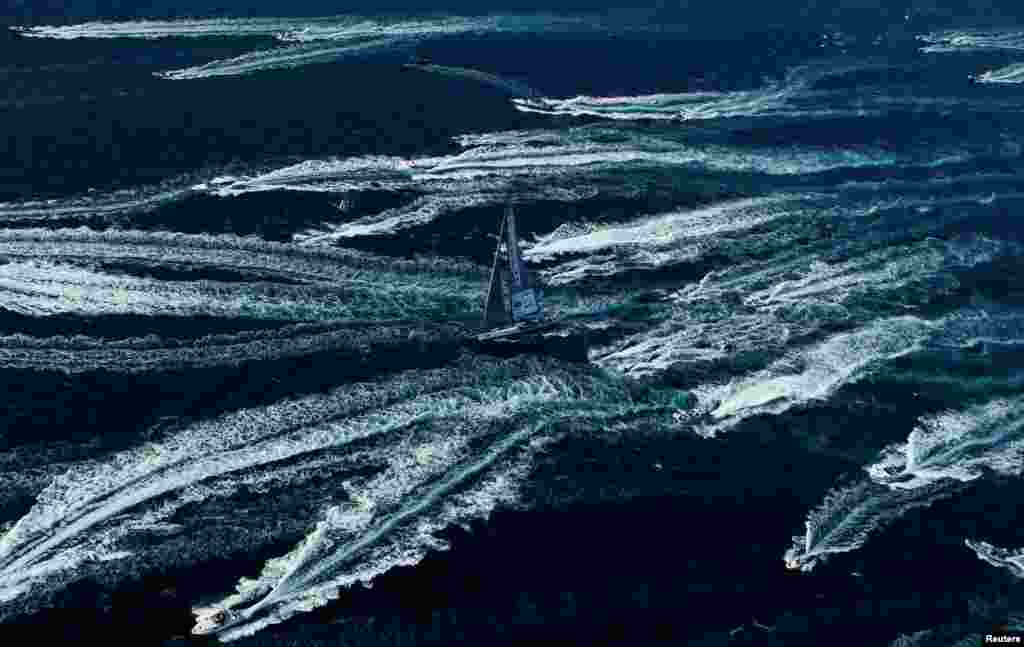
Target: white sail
495, 312
527, 303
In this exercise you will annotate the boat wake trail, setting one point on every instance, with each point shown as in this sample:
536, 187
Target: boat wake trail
787, 97
845, 520
414, 454
813, 374
957, 445
940, 459
321, 299
972, 41
1011, 560
306, 41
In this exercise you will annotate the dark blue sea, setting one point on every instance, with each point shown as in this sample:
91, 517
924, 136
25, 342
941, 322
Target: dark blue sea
240, 402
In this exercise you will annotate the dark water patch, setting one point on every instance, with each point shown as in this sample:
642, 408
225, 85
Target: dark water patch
884, 76
136, 57
998, 281
1000, 219
271, 215
601, 560
157, 596
897, 130
904, 224
963, 181
182, 272
176, 126
923, 552
631, 63
920, 176
127, 326
62, 418
604, 560
857, 422
951, 378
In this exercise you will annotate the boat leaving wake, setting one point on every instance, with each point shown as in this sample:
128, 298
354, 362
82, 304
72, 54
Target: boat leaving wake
442, 447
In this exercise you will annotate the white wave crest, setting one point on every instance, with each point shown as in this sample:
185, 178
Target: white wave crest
310, 40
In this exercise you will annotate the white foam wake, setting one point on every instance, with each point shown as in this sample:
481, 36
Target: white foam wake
754, 311
244, 254
392, 519
290, 30
1011, 560
811, 374
282, 58
569, 166
311, 40
81, 515
957, 445
1011, 74
305, 30
968, 40
117, 203
941, 456
848, 516
671, 229
779, 98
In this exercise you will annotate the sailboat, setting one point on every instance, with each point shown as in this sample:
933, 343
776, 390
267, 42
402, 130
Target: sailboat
520, 325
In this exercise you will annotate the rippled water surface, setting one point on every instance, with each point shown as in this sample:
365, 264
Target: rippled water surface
236, 259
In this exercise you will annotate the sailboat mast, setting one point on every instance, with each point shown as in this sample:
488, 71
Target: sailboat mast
495, 311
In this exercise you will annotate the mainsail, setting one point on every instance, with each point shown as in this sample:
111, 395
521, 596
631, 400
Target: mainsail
495, 313
526, 301
527, 304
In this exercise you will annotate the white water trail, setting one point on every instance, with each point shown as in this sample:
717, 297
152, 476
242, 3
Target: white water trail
80, 516
1010, 75
363, 539
846, 519
780, 98
972, 40
1011, 560
941, 457
812, 374
313, 40
282, 58
149, 354
41, 288
663, 230
957, 445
